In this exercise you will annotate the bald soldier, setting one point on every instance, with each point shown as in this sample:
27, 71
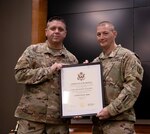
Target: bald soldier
123, 74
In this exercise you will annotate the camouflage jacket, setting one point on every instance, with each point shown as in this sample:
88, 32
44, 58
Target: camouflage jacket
122, 75
41, 97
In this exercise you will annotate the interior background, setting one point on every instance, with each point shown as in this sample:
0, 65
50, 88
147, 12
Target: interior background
131, 17
132, 20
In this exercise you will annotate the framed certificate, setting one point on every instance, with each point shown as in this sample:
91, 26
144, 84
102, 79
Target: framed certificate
81, 89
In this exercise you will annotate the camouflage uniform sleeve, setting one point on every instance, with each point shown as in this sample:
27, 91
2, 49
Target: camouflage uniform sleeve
96, 59
72, 57
25, 74
133, 75
75, 60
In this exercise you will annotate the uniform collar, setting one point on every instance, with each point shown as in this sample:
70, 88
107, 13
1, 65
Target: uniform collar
54, 52
112, 54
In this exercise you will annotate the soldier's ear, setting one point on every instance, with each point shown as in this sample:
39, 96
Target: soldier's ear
115, 33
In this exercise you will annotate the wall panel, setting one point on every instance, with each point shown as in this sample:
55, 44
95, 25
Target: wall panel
79, 6
131, 18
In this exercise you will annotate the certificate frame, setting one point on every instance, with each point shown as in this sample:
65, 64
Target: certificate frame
81, 89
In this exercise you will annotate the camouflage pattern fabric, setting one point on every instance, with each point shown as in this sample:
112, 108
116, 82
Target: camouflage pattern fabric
40, 101
114, 127
29, 127
122, 79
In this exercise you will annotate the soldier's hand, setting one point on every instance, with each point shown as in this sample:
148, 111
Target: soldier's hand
86, 61
56, 66
77, 117
103, 114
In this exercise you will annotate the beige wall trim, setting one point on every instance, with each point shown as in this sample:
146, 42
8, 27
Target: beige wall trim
39, 18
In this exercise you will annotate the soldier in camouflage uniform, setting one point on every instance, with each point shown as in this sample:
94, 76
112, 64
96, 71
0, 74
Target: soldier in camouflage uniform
38, 69
122, 74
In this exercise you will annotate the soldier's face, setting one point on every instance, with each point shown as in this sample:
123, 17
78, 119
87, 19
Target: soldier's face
55, 31
105, 36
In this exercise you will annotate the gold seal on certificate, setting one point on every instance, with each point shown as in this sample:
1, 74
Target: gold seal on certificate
81, 89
